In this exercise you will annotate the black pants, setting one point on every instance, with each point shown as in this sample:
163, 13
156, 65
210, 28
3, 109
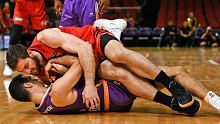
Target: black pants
170, 39
16, 34
185, 41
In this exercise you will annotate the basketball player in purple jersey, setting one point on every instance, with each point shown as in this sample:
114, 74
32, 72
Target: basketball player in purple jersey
80, 13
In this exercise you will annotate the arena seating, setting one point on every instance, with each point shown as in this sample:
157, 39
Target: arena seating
178, 11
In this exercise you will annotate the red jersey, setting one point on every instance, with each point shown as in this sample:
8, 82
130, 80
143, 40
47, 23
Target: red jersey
6, 17
85, 33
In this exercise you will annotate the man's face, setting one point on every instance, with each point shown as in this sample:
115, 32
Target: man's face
170, 23
29, 65
185, 24
33, 80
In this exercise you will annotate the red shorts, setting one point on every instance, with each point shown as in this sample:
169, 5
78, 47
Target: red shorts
102, 37
33, 9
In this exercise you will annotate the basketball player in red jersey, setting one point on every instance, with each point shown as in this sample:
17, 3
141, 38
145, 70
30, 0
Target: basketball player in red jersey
6, 16
25, 9
72, 39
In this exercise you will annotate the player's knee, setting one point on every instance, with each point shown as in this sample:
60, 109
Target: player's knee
120, 56
180, 69
122, 73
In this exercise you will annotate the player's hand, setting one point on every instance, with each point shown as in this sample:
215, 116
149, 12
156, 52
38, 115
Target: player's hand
103, 6
59, 68
49, 73
58, 7
90, 95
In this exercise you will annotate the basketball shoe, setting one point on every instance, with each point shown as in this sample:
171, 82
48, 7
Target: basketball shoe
183, 97
191, 110
7, 72
109, 25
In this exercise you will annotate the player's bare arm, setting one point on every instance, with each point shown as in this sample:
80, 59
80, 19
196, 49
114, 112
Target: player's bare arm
44, 80
65, 61
58, 7
62, 93
54, 38
103, 6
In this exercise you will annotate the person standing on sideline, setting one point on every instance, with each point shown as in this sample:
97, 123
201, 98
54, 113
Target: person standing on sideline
25, 10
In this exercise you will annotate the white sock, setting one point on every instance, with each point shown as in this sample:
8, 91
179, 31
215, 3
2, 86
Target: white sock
117, 33
213, 100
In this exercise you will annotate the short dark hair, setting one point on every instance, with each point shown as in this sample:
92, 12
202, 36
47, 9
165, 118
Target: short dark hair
14, 53
17, 89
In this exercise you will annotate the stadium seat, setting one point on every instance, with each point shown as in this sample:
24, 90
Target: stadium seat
129, 37
113, 16
198, 33
144, 35
180, 18
181, 5
161, 20
172, 6
157, 34
163, 5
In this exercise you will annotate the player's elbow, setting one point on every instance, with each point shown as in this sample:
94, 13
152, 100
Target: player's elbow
84, 47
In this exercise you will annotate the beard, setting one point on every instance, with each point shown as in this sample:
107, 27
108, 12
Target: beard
38, 66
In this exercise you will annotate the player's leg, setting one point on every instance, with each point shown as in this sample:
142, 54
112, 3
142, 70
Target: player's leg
15, 34
69, 15
192, 84
139, 64
141, 87
20, 19
116, 52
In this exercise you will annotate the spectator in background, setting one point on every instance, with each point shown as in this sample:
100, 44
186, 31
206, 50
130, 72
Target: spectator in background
1, 22
23, 11
129, 20
185, 34
208, 38
6, 17
57, 23
192, 21
170, 33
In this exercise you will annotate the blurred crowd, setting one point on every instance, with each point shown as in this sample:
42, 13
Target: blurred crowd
190, 34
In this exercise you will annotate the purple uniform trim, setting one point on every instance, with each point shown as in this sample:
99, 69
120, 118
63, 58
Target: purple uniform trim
120, 99
79, 13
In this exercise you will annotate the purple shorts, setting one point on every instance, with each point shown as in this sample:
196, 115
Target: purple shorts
79, 13
121, 100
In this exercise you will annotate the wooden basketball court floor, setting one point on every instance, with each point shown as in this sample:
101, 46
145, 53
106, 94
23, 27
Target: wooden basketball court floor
195, 60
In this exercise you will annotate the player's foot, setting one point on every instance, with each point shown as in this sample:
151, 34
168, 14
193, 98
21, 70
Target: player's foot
7, 72
191, 110
111, 24
213, 100
183, 97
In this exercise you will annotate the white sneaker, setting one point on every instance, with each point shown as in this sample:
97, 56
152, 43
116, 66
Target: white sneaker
8, 71
111, 24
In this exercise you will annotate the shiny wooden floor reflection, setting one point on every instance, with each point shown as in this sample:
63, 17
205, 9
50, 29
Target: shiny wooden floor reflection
194, 60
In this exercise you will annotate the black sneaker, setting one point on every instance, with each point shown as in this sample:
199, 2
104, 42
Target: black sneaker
191, 110
183, 97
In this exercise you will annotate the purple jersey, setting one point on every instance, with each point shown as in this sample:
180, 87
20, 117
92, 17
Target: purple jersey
79, 13
120, 99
